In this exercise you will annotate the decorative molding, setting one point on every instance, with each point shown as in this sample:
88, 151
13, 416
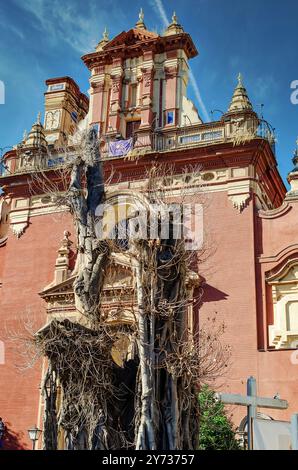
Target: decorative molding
284, 254
98, 70
147, 77
292, 196
116, 82
19, 220
272, 278
239, 201
19, 228
275, 213
171, 72
98, 87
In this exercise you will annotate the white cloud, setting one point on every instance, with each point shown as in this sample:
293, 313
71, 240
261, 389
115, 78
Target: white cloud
265, 87
79, 27
162, 13
12, 28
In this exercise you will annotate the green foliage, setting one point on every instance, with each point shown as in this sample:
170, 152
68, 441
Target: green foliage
216, 430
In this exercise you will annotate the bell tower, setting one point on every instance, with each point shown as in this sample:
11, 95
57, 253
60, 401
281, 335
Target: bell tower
65, 107
138, 81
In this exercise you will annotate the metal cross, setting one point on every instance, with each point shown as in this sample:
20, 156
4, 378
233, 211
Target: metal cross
252, 401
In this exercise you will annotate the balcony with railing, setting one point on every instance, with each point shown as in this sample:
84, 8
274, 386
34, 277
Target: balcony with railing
163, 140
159, 140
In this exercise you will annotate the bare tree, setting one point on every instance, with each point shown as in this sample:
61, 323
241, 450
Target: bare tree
150, 403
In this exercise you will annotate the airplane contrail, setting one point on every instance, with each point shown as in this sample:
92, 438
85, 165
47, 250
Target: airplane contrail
163, 16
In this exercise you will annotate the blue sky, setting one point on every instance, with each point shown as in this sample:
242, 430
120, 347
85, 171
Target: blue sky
40, 39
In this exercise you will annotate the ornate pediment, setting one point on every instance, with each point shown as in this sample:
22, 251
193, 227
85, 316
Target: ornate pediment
63, 288
118, 297
288, 273
117, 293
130, 38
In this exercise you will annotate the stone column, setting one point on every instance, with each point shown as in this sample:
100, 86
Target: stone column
116, 96
62, 261
147, 97
97, 95
146, 93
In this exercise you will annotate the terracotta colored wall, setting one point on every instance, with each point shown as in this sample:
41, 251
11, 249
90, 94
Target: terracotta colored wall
279, 232
277, 243
27, 267
230, 288
234, 239
231, 291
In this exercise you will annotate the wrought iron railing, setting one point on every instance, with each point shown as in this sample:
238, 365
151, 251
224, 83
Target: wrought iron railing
266, 131
165, 140
162, 140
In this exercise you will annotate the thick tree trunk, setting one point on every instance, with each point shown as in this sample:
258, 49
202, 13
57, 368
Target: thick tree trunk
164, 423
163, 418
145, 438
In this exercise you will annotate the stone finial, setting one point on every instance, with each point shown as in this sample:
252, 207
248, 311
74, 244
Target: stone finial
174, 27
103, 41
140, 23
240, 100
62, 261
174, 18
105, 35
38, 121
239, 78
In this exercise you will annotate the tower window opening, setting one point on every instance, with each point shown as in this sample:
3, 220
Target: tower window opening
133, 95
169, 117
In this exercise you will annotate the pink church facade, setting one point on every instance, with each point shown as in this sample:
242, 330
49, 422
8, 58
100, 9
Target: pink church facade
138, 83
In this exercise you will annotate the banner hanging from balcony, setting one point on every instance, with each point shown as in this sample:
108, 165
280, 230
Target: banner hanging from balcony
120, 147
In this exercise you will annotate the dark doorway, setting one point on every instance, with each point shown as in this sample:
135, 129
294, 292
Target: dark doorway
131, 128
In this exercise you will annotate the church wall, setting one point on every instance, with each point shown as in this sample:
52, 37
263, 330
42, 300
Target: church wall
277, 246
278, 229
277, 374
27, 266
242, 245
231, 291
230, 288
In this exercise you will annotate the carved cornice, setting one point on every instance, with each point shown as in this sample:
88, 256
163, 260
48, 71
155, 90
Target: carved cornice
135, 43
99, 70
